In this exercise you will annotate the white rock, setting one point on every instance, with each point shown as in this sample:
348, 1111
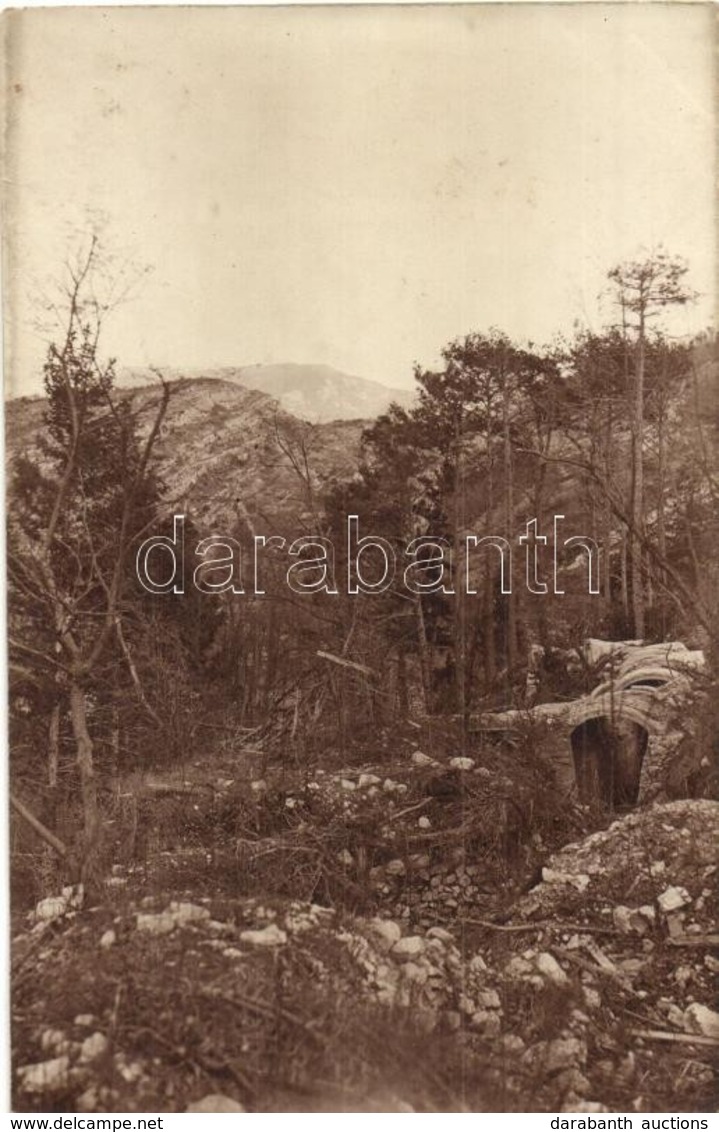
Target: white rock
130, 1071
215, 1102
488, 999
386, 932
461, 763
54, 1041
517, 968
476, 965
348, 784
700, 1019
486, 1022
409, 948
271, 936
345, 858
441, 934
108, 939
84, 1020
592, 997
420, 860
420, 759
564, 1053
548, 967
89, 1101
259, 786
369, 780
94, 1047
633, 919
51, 907
155, 923
396, 868
622, 918
573, 1081
580, 881
673, 898
414, 973
424, 823
44, 1076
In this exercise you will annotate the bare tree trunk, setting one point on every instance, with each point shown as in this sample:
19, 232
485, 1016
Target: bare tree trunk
623, 577
53, 747
460, 608
637, 509
509, 524
86, 768
424, 659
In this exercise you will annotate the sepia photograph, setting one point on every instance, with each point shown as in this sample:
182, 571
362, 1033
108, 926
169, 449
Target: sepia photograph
361, 428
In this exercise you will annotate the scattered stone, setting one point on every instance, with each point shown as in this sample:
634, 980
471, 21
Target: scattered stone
93, 1048
130, 1071
396, 868
580, 881
699, 1019
488, 999
369, 780
108, 939
409, 947
441, 934
637, 920
414, 973
476, 965
386, 932
517, 968
673, 898
461, 763
89, 1101
271, 936
215, 1102
573, 1081
420, 759
54, 1041
486, 1022
563, 1053
550, 969
45, 1076
155, 923
424, 823
592, 998
50, 908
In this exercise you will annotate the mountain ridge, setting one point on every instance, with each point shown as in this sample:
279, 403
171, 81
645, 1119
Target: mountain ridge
313, 392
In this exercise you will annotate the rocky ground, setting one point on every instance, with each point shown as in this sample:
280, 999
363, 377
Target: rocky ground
590, 992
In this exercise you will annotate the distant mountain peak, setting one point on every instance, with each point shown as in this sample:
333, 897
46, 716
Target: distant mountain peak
315, 392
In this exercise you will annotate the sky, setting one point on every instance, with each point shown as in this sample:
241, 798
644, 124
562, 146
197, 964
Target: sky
353, 186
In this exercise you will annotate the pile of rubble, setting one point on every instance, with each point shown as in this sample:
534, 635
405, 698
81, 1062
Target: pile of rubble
593, 994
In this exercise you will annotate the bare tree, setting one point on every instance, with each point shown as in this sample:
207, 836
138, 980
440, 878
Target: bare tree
643, 288
69, 554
